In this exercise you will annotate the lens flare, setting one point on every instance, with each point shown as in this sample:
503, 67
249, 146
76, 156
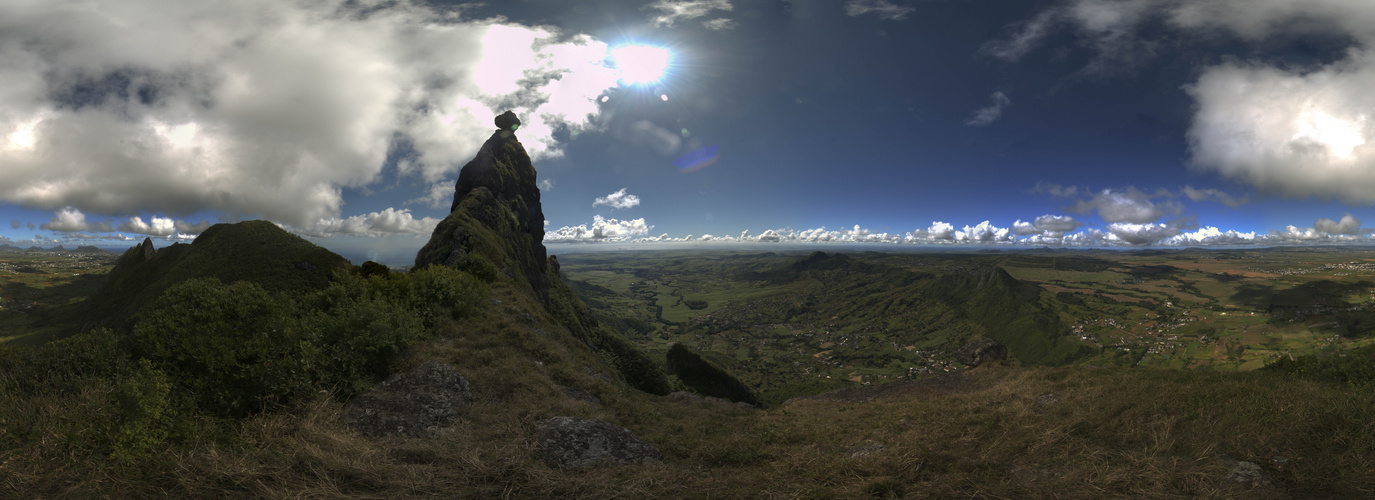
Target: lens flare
697, 160
640, 64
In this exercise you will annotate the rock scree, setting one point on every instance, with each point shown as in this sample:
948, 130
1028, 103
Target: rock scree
412, 404
571, 442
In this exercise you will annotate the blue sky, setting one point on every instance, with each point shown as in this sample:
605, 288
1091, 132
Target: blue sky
1123, 123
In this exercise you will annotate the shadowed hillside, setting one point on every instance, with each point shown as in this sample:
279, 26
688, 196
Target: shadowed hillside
255, 251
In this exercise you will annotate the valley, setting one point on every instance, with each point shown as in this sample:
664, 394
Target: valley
788, 327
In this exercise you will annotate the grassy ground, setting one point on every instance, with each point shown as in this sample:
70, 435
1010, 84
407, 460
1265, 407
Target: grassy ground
998, 431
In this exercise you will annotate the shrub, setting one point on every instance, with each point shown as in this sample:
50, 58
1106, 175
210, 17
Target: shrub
145, 412
235, 349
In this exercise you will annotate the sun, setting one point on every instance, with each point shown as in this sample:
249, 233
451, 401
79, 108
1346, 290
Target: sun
640, 64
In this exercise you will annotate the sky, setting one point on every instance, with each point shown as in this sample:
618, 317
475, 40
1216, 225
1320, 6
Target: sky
1069, 123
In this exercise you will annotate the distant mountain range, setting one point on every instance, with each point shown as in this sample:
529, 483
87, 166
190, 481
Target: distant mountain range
81, 249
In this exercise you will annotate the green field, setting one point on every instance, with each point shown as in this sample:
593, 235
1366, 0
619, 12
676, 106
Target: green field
774, 325
41, 292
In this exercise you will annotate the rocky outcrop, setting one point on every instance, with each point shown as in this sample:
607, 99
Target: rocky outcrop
413, 404
976, 353
571, 442
1247, 474
496, 191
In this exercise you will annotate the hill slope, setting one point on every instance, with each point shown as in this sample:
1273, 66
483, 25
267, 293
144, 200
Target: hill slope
256, 251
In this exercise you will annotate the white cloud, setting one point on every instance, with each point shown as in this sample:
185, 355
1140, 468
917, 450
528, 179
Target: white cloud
984, 232
1347, 225
265, 108
69, 220
618, 200
157, 226
989, 114
1052, 226
1211, 235
1130, 206
1143, 234
546, 185
1288, 132
673, 11
387, 222
1285, 129
884, 9
602, 230
438, 195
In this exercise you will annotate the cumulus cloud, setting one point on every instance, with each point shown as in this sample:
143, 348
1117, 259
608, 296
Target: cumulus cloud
546, 185
672, 11
990, 113
1211, 235
1288, 132
437, 195
1285, 129
1348, 225
884, 9
984, 232
266, 108
601, 230
69, 220
1053, 226
618, 200
388, 222
1130, 206
157, 226
1142, 234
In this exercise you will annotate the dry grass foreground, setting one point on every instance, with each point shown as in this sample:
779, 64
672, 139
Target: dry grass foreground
1003, 432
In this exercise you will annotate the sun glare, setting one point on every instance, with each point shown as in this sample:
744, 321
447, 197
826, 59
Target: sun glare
638, 64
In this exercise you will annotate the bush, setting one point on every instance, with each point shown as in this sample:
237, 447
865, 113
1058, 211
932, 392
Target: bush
235, 349
145, 412
61, 366
239, 349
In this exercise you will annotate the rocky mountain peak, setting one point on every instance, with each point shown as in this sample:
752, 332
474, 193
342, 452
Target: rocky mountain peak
496, 192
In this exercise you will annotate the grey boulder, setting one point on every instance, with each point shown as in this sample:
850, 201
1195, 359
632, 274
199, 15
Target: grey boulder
571, 442
413, 404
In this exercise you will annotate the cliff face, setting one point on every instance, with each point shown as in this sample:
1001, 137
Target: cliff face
496, 193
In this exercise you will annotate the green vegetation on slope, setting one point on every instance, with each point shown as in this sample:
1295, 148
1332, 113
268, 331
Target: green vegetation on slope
256, 251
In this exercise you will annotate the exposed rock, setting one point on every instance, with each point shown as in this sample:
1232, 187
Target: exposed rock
507, 121
1247, 474
413, 404
497, 191
145, 250
1047, 400
571, 442
528, 318
976, 353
